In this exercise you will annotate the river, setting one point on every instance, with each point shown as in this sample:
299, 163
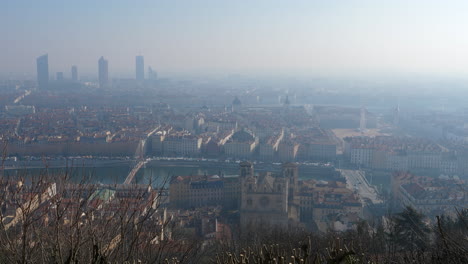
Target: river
156, 172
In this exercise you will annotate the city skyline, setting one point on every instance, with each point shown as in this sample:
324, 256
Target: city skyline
304, 38
42, 69
277, 126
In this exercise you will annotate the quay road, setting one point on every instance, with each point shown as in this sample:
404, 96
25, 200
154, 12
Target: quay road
355, 180
65, 163
307, 170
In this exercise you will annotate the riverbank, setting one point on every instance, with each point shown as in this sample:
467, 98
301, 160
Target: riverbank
119, 168
65, 163
175, 162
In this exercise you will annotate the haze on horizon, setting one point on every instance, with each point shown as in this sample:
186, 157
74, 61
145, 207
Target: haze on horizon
266, 36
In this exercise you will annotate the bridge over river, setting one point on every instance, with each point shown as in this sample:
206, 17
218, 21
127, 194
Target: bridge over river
134, 171
140, 154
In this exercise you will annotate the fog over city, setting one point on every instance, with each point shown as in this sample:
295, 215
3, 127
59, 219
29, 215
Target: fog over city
303, 38
266, 131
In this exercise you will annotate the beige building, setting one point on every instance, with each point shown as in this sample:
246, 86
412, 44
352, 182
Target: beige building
394, 153
267, 150
182, 145
241, 145
265, 198
157, 143
322, 151
287, 151
362, 156
430, 196
204, 190
321, 202
283, 200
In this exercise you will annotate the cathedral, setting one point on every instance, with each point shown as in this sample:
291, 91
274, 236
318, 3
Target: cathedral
272, 199
284, 201
266, 198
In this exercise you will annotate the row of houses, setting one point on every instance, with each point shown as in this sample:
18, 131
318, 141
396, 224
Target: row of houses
393, 153
243, 144
430, 196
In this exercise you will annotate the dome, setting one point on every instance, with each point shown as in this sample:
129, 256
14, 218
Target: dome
236, 101
242, 136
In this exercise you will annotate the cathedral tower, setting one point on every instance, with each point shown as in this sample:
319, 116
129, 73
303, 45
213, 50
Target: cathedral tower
246, 170
290, 172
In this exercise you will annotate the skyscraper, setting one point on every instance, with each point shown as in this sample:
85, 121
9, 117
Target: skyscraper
59, 76
43, 71
140, 68
103, 72
74, 73
152, 75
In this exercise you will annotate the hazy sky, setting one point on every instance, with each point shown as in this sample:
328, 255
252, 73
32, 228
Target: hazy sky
291, 36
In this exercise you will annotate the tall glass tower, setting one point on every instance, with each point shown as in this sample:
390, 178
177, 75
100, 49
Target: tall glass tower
140, 68
43, 71
103, 72
74, 73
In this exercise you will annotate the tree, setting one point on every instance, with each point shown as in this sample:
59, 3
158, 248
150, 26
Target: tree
451, 240
51, 219
410, 231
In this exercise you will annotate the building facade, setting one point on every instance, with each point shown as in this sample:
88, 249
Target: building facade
241, 145
204, 190
74, 73
280, 200
430, 196
265, 198
140, 68
43, 71
187, 145
103, 72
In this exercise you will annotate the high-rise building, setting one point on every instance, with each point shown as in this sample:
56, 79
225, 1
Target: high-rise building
152, 75
140, 68
59, 76
103, 72
43, 71
74, 73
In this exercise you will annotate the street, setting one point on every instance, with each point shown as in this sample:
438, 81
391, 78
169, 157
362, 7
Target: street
355, 180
